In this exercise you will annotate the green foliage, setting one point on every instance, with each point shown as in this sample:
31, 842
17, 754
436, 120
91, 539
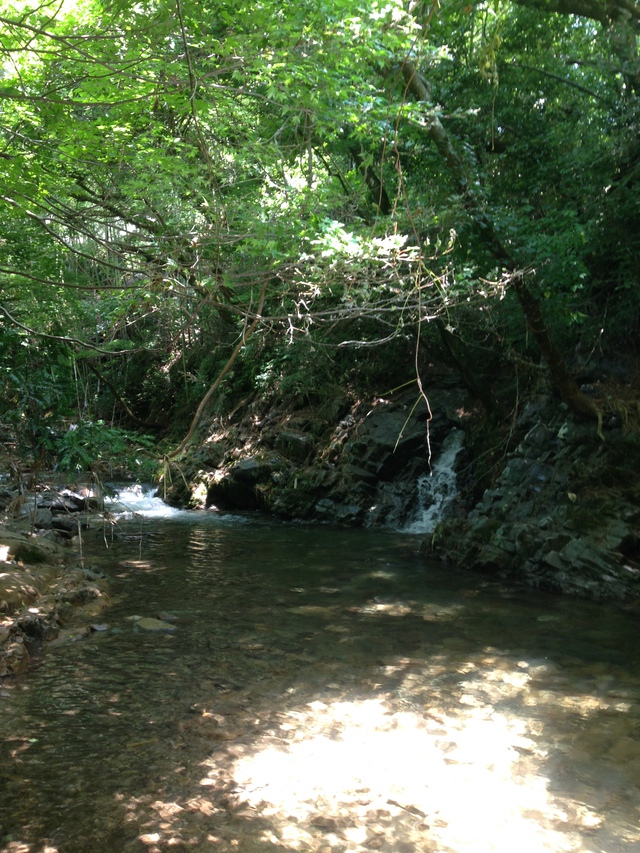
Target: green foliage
96, 447
160, 161
298, 373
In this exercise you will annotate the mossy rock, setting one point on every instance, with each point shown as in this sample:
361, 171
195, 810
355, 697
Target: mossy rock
29, 548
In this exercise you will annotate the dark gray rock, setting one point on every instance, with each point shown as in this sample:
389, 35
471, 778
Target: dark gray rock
548, 520
296, 446
239, 485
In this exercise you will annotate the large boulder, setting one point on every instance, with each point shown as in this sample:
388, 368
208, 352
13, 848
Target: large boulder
363, 468
367, 468
29, 548
21, 585
241, 484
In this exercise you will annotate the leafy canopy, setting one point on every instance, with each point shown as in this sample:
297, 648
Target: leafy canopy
162, 160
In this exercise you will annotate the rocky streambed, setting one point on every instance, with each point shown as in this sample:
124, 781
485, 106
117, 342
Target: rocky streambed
322, 689
47, 592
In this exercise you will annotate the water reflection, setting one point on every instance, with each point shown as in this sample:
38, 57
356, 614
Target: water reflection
325, 690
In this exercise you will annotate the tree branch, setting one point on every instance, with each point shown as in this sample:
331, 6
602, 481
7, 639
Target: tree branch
605, 12
67, 339
562, 79
220, 377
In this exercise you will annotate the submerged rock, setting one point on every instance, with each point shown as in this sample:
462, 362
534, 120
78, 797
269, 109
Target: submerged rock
15, 659
154, 626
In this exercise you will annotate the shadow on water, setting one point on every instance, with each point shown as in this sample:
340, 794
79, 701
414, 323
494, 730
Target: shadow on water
324, 690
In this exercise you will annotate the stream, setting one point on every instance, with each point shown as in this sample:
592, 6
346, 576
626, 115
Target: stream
322, 690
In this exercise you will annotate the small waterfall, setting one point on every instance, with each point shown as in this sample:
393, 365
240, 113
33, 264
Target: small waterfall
437, 489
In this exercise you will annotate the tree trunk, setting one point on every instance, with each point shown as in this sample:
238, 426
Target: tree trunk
474, 383
372, 179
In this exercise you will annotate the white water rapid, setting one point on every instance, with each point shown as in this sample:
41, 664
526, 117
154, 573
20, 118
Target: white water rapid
139, 500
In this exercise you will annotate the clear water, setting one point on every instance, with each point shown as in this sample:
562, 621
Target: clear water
325, 690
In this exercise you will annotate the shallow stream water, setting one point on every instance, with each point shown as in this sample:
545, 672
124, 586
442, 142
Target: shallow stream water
324, 690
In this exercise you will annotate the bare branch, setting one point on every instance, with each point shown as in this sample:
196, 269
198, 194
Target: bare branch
221, 375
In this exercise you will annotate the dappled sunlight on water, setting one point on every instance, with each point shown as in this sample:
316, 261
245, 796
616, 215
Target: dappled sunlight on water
324, 691
364, 774
444, 777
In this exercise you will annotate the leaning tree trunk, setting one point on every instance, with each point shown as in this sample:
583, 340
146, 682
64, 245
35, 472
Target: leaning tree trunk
463, 363
578, 402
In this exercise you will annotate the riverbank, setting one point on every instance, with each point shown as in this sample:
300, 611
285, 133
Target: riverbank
540, 499
47, 593
562, 514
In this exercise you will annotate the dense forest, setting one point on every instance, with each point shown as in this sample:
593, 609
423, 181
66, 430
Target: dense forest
201, 201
